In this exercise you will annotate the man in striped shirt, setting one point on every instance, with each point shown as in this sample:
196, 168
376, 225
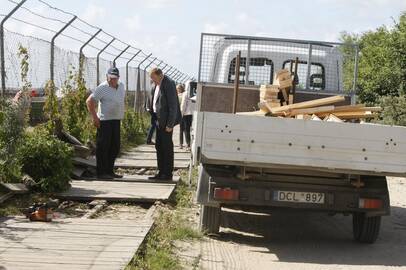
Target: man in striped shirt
110, 99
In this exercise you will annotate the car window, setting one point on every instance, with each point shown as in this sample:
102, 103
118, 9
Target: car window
317, 74
260, 71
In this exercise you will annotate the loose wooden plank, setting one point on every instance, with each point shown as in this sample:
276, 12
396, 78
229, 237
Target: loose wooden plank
130, 163
352, 115
308, 104
314, 110
118, 191
131, 178
254, 113
332, 118
151, 156
70, 243
16, 188
6, 196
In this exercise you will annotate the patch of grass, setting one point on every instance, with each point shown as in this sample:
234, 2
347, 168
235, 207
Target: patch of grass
170, 226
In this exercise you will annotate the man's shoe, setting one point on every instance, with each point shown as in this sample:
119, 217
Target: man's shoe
150, 143
116, 175
105, 176
155, 177
164, 177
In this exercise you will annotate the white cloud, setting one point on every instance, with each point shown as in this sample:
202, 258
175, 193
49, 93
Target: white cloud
243, 17
133, 23
93, 13
219, 28
160, 3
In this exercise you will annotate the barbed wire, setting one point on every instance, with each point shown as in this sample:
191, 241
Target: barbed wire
83, 21
141, 53
75, 27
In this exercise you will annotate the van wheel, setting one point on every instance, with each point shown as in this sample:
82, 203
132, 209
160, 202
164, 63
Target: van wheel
210, 219
365, 229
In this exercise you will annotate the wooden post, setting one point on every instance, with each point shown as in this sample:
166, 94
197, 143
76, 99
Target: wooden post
236, 82
294, 77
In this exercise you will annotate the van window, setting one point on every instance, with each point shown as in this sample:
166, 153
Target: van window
317, 74
260, 71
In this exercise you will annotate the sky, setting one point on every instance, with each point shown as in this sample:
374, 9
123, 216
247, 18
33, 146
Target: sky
170, 29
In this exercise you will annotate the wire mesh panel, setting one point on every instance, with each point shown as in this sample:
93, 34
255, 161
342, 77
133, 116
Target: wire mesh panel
38, 51
321, 66
70, 35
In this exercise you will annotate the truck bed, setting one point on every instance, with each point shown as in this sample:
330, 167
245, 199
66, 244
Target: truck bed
352, 148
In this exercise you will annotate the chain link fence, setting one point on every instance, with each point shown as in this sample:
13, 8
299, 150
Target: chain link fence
102, 52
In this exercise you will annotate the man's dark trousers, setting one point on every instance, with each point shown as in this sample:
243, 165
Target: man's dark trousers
164, 151
107, 146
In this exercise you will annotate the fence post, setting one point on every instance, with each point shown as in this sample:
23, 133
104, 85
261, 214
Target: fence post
138, 80
145, 77
169, 70
164, 67
184, 78
175, 74
98, 60
309, 67
81, 55
199, 76
2, 49
247, 63
126, 69
171, 73
159, 64
354, 87
178, 76
52, 66
120, 54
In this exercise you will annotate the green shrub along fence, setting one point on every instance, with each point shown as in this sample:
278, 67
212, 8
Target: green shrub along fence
35, 150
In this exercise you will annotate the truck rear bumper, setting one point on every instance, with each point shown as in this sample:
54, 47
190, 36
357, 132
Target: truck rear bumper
229, 191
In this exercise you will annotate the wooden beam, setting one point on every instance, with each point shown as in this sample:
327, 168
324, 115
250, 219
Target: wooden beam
314, 110
308, 104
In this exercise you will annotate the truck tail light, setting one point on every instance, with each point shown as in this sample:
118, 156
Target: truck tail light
370, 203
226, 194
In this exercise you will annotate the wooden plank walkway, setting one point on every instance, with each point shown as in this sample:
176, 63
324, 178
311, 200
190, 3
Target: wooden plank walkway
129, 163
118, 191
69, 243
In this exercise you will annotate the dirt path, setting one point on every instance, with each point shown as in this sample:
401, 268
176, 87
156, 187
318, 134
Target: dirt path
306, 240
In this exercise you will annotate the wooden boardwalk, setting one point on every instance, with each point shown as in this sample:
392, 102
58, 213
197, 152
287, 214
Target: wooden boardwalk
69, 243
128, 191
95, 244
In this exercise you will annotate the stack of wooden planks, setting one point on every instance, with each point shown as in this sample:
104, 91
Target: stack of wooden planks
278, 94
276, 100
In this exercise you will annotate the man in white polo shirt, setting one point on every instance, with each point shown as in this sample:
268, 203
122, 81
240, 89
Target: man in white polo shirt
110, 99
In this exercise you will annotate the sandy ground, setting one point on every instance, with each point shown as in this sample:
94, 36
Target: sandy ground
303, 241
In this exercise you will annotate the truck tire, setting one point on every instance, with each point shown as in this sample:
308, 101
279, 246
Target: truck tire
365, 229
210, 219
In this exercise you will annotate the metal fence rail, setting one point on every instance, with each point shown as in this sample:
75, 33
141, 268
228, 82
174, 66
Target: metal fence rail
48, 61
322, 66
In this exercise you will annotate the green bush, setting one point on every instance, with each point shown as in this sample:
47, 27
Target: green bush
394, 110
47, 160
133, 128
11, 133
75, 117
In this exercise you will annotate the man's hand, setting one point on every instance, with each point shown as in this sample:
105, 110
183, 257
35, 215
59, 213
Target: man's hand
168, 129
96, 121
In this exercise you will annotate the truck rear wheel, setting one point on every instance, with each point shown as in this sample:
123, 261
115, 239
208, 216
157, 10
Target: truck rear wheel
365, 229
210, 219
